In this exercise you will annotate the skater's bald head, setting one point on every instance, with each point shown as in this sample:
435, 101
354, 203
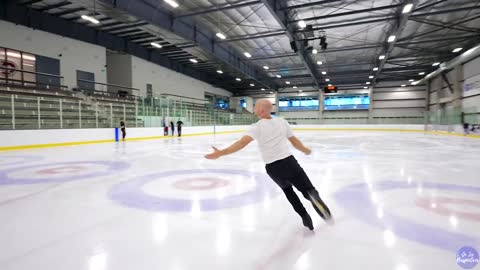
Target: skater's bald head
263, 108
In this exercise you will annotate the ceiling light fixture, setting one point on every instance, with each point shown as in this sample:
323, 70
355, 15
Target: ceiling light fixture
156, 45
171, 3
302, 24
90, 19
221, 36
407, 8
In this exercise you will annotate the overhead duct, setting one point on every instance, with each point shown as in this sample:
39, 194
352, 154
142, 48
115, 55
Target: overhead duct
463, 58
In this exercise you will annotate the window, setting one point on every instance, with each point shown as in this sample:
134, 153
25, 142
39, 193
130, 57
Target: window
13, 63
298, 103
243, 103
222, 103
360, 102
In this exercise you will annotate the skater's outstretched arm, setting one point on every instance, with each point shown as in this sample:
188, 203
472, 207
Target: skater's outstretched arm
236, 146
299, 145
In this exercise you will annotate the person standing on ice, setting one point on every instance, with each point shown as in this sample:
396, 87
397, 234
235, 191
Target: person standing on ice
273, 135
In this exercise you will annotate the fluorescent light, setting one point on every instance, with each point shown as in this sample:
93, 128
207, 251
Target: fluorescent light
295, 87
371, 77
154, 44
300, 91
421, 73
407, 8
457, 50
194, 61
171, 3
271, 92
222, 36
248, 55
415, 83
329, 85
90, 19
365, 87
411, 80
278, 76
266, 67
381, 57
403, 85
238, 79
302, 24
375, 68
368, 82
314, 51
436, 64
219, 71
391, 38
327, 80
287, 82
263, 89
319, 62
324, 72
252, 85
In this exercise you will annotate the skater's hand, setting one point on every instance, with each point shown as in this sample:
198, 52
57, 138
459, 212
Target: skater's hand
307, 151
216, 154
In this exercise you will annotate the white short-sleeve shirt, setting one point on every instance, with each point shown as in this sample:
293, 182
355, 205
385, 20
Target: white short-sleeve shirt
272, 138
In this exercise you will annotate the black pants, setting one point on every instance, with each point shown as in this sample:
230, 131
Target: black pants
179, 130
124, 133
287, 173
173, 130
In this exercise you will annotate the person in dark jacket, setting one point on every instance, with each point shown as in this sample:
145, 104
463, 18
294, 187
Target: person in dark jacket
179, 127
122, 128
172, 126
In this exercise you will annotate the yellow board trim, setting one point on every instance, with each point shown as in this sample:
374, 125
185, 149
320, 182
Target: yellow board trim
48, 145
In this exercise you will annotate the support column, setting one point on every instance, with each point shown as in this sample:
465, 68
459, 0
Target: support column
38, 114
321, 99
370, 107
277, 111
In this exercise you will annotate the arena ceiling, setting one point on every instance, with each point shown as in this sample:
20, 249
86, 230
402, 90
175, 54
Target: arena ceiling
274, 45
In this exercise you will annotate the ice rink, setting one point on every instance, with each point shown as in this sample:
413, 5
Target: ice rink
401, 201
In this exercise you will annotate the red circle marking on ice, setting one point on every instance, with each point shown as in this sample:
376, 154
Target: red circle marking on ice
200, 183
63, 169
441, 207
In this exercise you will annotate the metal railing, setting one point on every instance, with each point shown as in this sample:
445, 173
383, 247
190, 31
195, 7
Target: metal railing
40, 81
54, 111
